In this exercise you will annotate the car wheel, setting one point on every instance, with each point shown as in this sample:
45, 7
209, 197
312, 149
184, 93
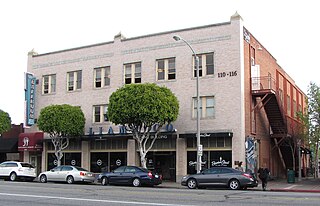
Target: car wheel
104, 181
234, 184
192, 183
13, 176
43, 179
136, 182
70, 179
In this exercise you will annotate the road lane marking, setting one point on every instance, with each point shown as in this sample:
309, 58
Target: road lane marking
92, 200
290, 187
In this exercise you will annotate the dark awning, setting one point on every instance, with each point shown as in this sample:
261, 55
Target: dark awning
8, 145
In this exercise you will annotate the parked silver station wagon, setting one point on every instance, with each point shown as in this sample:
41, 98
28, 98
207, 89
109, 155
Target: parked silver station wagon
12, 170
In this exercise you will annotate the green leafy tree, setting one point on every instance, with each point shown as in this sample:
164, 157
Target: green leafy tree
311, 120
314, 121
141, 107
5, 122
61, 122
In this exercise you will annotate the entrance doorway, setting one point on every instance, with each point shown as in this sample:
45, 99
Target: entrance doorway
164, 163
35, 160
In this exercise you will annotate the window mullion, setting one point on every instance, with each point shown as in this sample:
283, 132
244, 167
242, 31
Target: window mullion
133, 68
166, 69
204, 65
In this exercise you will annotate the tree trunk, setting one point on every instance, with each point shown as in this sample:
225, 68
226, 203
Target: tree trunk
316, 161
143, 160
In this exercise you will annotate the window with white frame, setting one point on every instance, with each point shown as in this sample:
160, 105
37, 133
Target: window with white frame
49, 84
74, 79
207, 107
102, 77
206, 65
166, 69
100, 113
132, 73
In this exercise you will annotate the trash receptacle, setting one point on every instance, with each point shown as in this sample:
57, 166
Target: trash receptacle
291, 176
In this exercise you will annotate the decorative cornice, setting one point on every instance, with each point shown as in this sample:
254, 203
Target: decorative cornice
171, 45
70, 61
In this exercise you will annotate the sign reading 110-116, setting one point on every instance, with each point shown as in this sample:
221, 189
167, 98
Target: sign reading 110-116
30, 90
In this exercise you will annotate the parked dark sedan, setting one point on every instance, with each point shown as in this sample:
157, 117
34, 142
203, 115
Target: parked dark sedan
130, 175
220, 176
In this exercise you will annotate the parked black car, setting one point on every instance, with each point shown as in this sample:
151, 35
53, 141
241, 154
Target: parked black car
130, 175
220, 176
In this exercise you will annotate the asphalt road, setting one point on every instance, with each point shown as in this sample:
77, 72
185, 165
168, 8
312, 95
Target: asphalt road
49, 194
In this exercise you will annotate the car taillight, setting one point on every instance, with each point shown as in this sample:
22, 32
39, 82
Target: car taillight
150, 174
82, 174
247, 175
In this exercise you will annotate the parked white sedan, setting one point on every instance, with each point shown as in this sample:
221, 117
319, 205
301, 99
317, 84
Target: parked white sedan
67, 173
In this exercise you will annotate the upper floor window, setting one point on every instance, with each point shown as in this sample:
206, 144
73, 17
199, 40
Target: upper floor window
166, 69
74, 80
207, 107
206, 65
102, 77
49, 84
132, 73
100, 113
288, 105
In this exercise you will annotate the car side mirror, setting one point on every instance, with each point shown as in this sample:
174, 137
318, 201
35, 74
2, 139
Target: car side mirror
52, 170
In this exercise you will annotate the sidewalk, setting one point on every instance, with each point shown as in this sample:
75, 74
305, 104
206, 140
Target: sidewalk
305, 185
308, 184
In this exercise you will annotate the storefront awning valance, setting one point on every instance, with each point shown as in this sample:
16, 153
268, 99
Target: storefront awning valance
8, 145
30, 141
161, 135
207, 134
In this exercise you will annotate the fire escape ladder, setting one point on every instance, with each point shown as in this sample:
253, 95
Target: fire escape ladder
264, 89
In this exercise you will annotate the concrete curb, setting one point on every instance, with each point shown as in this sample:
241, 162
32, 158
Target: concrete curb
294, 190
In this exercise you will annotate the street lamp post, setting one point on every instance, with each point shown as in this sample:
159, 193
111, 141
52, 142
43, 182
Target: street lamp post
199, 146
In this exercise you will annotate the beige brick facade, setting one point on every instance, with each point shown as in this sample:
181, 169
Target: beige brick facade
230, 84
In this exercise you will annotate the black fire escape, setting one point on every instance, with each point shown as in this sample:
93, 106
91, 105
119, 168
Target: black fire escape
266, 94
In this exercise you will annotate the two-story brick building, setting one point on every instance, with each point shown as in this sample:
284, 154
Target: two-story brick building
246, 99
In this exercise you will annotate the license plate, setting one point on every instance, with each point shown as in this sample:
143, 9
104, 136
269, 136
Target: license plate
90, 175
156, 176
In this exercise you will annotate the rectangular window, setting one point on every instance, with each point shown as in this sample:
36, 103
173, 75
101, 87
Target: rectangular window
207, 107
206, 65
166, 69
79, 79
100, 114
74, 80
98, 78
294, 108
102, 77
49, 84
132, 73
288, 105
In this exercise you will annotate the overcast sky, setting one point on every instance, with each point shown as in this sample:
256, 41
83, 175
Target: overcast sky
289, 30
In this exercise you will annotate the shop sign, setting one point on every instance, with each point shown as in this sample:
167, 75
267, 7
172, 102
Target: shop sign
30, 90
30, 141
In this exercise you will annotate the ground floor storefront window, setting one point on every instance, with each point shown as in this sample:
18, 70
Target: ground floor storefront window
67, 159
210, 158
107, 161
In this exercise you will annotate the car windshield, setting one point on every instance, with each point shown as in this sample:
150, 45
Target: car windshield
80, 169
27, 165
